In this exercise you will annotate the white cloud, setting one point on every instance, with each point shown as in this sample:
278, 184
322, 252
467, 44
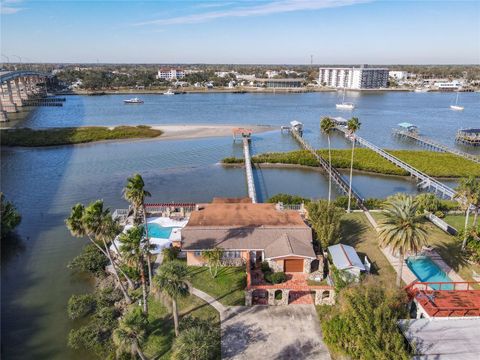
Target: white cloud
274, 7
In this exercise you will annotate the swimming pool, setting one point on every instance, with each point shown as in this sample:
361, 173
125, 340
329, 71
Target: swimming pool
158, 231
427, 271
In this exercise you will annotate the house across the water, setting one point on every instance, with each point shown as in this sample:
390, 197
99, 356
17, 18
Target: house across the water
239, 227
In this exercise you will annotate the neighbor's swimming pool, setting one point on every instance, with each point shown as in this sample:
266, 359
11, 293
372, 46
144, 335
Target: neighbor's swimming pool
158, 231
427, 271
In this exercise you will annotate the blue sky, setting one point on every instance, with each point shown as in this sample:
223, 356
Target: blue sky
272, 31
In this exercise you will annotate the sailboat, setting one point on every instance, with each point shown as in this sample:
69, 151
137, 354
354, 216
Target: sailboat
344, 105
456, 106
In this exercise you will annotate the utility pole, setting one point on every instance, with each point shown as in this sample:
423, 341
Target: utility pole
311, 59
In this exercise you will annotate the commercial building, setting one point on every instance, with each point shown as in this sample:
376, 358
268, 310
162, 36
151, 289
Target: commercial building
399, 75
281, 83
354, 77
170, 74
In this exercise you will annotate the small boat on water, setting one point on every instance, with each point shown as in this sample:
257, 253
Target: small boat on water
421, 90
134, 100
345, 105
456, 106
169, 92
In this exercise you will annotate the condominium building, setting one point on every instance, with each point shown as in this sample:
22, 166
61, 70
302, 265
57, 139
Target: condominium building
354, 77
170, 74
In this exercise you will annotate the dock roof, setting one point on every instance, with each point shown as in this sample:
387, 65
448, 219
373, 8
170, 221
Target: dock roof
450, 339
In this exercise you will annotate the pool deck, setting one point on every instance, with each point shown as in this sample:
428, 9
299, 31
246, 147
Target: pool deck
408, 276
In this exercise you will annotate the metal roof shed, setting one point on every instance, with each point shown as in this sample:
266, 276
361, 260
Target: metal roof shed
345, 257
408, 126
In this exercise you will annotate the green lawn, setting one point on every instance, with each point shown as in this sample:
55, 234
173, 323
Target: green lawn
228, 287
357, 232
458, 221
161, 333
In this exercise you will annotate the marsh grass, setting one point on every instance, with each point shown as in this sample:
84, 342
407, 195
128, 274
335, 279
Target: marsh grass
73, 135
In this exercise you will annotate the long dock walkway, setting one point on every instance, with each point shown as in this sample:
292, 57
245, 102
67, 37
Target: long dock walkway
248, 170
426, 182
336, 176
434, 145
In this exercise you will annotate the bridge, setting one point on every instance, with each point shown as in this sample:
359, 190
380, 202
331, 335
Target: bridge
19, 87
338, 179
426, 182
434, 145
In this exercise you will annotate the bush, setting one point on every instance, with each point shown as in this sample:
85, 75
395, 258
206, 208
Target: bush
440, 214
288, 199
197, 340
233, 160
275, 278
368, 313
265, 267
90, 260
10, 216
81, 306
170, 253
325, 219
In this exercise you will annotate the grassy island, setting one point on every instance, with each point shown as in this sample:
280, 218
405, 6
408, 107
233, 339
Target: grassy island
74, 135
432, 163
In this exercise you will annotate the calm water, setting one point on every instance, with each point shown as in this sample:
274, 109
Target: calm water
45, 183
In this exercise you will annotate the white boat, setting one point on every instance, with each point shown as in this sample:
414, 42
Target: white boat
421, 90
456, 106
169, 92
134, 100
345, 105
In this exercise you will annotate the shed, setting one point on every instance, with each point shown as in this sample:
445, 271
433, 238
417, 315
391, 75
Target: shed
296, 125
345, 258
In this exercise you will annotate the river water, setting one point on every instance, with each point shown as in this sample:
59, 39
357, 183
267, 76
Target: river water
45, 183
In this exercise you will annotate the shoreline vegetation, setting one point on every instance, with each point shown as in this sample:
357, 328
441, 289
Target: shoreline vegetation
434, 164
28, 137
236, 90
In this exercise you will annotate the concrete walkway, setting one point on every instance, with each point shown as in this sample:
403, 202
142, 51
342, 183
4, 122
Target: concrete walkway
222, 309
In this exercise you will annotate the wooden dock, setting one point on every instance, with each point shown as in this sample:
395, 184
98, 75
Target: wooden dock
434, 145
248, 170
336, 176
426, 182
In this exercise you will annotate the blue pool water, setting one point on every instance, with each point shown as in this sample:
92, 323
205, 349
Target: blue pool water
427, 271
158, 231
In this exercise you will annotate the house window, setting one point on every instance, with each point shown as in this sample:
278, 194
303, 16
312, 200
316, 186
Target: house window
231, 254
197, 253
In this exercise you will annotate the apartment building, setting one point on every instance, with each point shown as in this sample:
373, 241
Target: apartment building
354, 77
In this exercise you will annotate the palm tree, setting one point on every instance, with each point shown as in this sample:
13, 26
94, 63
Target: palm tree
327, 125
353, 125
133, 251
468, 191
130, 333
76, 224
214, 260
172, 279
135, 193
402, 229
98, 223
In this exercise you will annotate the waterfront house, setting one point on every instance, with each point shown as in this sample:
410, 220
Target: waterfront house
261, 232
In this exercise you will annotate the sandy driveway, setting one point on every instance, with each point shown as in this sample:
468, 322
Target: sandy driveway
273, 332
